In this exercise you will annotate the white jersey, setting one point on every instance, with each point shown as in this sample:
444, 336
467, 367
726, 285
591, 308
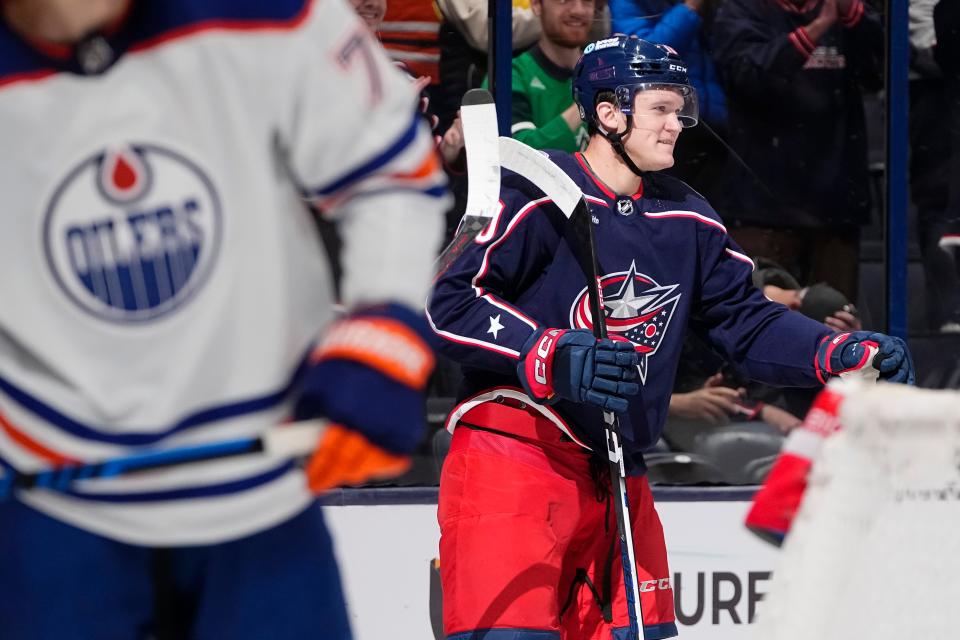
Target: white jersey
162, 278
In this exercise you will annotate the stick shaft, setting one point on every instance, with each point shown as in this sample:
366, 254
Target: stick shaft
289, 441
582, 228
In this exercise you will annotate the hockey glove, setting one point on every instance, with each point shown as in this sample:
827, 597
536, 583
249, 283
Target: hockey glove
574, 365
368, 376
857, 351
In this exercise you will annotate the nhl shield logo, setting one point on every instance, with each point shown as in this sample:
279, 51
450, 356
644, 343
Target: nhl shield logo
131, 232
636, 307
624, 206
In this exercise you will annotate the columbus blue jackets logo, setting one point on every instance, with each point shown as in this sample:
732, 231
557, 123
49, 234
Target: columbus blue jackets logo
636, 308
131, 233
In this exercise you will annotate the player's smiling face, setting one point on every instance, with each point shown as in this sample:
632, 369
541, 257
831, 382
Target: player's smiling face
655, 130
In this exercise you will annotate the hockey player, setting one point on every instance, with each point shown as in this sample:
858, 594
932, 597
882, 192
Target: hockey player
528, 545
163, 285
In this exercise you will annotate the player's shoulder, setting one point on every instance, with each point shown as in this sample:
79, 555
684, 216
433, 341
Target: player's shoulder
241, 11
150, 24
671, 191
16, 58
668, 197
156, 19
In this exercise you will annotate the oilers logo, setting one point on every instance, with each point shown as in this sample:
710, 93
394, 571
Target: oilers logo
132, 232
636, 308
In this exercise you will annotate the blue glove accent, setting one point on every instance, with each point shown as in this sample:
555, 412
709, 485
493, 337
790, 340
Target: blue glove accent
359, 394
847, 352
575, 366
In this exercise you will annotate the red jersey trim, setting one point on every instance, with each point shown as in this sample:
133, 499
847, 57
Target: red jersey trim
31, 445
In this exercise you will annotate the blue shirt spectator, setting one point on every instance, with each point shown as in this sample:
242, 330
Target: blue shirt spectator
679, 25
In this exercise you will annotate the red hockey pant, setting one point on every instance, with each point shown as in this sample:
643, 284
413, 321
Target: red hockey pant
529, 542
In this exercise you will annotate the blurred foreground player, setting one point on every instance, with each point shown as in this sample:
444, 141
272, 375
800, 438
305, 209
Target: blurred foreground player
171, 289
528, 546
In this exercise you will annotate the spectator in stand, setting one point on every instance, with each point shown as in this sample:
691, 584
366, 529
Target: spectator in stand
409, 32
685, 26
794, 71
946, 17
371, 12
708, 393
930, 168
543, 113
463, 65
463, 47
819, 301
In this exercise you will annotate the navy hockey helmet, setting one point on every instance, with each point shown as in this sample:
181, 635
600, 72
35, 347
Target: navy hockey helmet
625, 65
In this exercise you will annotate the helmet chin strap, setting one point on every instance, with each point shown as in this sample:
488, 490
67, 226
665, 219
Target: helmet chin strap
616, 141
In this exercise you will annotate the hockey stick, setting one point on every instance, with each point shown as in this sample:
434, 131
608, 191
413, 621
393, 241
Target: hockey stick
295, 440
479, 117
567, 196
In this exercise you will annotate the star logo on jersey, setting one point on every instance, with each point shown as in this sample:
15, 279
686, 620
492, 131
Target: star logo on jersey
495, 326
131, 232
635, 307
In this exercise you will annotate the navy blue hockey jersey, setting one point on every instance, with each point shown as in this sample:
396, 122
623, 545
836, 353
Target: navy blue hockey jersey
666, 265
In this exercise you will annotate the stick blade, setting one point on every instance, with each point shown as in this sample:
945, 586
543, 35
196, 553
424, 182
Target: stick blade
478, 114
542, 172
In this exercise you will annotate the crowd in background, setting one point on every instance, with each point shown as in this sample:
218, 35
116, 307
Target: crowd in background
786, 149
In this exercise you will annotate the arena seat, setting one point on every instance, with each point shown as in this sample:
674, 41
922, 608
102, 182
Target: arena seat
755, 471
678, 468
731, 447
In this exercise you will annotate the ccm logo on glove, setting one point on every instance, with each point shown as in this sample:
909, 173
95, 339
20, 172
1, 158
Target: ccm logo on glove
544, 359
576, 366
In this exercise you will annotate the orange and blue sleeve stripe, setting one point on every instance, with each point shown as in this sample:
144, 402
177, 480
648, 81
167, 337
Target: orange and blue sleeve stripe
425, 177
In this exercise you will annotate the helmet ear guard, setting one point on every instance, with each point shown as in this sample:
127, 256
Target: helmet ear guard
624, 99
